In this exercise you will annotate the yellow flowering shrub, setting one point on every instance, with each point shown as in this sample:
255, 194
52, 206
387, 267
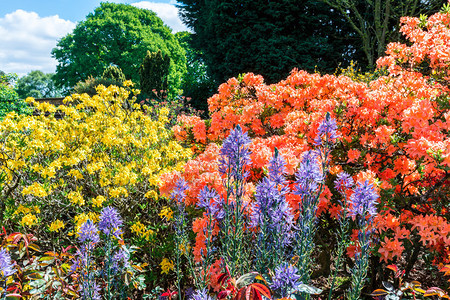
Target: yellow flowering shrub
105, 150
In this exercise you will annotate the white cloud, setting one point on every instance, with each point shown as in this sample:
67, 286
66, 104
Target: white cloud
167, 12
26, 41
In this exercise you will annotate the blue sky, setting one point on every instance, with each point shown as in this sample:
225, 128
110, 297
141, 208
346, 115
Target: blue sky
30, 29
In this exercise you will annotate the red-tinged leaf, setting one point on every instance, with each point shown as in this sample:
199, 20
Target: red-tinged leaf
240, 294
393, 268
222, 278
64, 250
379, 292
51, 253
34, 247
261, 288
433, 291
14, 296
223, 294
250, 293
446, 270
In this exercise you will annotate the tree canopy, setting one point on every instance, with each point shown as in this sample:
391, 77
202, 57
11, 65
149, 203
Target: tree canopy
37, 84
116, 34
266, 37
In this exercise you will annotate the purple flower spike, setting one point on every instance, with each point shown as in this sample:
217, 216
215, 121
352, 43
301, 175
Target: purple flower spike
327, 130
343, 181
309, 175
285, 280
277, 168
235, 154
212, 202
363, 200
110, 222
88, 233
179, 192
6, 267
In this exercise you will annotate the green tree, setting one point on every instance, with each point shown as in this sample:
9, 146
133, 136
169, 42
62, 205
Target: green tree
266, 37
154, 73
197, 84
9, 99
37, 84
376, 21
116, 34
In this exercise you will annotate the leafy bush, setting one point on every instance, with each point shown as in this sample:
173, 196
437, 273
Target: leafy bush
56, 173
9, 99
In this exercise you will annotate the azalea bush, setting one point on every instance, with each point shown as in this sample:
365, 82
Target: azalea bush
105, 150
394, 134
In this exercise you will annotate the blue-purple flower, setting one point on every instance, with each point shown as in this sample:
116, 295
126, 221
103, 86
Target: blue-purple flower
88, 233
6, 267
235, 154
343, 181
110, 222
327, 131
200, 295
90, 290
212, 202
363, 201
309, 175
285, 280
179, 192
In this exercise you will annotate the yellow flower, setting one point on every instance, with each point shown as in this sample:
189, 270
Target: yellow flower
127, 83
98, 201
75, 174
56, 226
184, 249
35, 189
22, 209
166, 212
166, 266
76, 198
151, 195
117, 192
29, 220
139, 229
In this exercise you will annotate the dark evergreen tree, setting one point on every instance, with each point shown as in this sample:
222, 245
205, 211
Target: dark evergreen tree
115, 73
154, 72
196, 84
267, 37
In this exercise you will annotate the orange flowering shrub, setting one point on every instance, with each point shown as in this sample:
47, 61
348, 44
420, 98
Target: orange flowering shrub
394, 131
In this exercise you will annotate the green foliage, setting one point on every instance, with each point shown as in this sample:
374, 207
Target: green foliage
120, 35
9, 99
37, 84
154, 72
89, 86
277, 36
197, 84
115, 73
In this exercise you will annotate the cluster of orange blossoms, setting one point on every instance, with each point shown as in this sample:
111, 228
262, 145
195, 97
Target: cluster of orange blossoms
394, 131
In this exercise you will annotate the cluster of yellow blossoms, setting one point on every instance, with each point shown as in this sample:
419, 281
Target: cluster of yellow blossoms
105, 150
